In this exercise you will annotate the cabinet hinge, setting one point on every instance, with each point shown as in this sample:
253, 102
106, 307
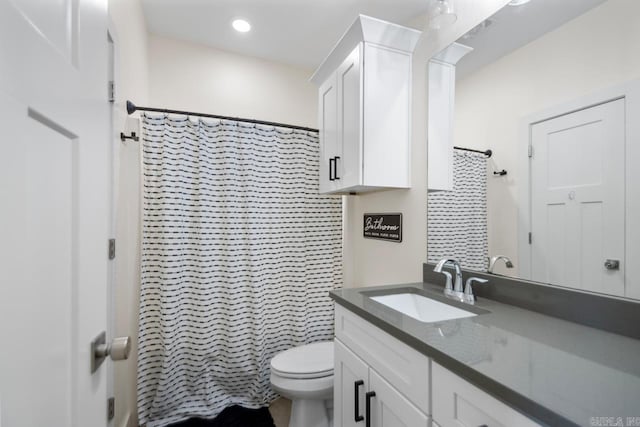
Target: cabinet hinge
530, 237
112, 248
111, 91
111, 408
530, 152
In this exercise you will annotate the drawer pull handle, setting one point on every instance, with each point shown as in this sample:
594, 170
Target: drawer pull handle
368, 397
335, 168
356, 399
331, 160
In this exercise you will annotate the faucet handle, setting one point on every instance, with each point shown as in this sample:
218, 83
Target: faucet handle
468, 288
449, 284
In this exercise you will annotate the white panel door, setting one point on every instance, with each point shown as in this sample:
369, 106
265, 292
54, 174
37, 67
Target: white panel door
578, 199
389, 408
351, 380
54, 187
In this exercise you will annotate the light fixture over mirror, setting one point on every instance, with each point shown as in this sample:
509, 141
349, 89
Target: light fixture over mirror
441, 14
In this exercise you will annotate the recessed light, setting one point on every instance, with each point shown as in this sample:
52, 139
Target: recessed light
518, 2
241, 26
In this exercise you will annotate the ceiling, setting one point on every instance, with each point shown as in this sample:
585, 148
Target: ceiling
302, 32
295, 32
513, 27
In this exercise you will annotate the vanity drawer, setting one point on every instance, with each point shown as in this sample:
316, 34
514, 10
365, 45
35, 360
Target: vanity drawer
457, 403
403, 367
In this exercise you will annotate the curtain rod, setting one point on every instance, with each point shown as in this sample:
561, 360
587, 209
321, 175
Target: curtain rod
132, 108
487, 153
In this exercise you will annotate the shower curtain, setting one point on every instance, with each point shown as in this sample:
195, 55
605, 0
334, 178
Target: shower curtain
457, 220
239, 252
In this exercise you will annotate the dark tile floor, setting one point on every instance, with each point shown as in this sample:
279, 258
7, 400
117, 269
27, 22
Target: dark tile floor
234, 416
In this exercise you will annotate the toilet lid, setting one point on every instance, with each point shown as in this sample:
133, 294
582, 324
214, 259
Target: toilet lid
306, 361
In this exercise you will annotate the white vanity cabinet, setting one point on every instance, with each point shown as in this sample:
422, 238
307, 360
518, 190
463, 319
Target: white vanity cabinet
368, 360
458, 403
409, 389
387, 406
364, 108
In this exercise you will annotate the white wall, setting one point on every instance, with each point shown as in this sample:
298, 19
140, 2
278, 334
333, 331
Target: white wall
128, 29
192, 77
594, 51
371, 262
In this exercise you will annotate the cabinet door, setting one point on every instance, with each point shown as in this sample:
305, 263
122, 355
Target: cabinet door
349, 76
351, 379
389, 408
401, 366
387, 117
328, 127
457, 403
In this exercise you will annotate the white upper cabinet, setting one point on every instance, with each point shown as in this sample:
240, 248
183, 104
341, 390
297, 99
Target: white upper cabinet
365, 108
442, 82
328, 120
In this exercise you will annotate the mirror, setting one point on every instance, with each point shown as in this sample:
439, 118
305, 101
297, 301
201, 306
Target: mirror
551, 89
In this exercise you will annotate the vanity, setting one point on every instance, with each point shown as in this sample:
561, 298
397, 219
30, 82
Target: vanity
396, 382
499, 365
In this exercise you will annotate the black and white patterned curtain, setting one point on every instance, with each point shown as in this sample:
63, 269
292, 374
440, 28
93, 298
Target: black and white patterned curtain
457, 220
239, 252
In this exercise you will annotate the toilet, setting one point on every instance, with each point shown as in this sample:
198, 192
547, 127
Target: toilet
305, 376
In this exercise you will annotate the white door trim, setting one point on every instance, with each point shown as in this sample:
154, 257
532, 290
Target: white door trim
630, 92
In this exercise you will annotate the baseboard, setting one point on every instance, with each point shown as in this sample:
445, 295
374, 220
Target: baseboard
127, 421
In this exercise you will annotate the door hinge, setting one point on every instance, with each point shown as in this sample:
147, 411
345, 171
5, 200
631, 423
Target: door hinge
111, 408
530, 237
111, 91
530, 151
112, 248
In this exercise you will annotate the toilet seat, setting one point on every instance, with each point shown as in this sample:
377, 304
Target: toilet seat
305, 362
302, 376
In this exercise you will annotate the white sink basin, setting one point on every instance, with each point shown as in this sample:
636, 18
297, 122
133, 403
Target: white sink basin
422, 308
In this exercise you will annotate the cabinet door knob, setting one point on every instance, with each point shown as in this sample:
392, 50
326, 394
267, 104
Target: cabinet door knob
356, 409
368, 397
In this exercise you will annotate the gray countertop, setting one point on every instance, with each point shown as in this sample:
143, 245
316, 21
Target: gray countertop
554, 371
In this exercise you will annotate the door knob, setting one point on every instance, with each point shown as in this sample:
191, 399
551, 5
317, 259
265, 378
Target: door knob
612, 264
118, 349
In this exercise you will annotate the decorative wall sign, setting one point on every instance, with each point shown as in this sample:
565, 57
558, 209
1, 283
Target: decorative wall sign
383, 226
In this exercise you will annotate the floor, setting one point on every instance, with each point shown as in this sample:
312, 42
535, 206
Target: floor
280, 411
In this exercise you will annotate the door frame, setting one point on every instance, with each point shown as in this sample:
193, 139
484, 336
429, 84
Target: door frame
113, 198
630, 92
125, 404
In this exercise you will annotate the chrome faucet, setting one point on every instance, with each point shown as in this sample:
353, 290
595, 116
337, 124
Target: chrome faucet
455, 292
493, 260
469, 298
